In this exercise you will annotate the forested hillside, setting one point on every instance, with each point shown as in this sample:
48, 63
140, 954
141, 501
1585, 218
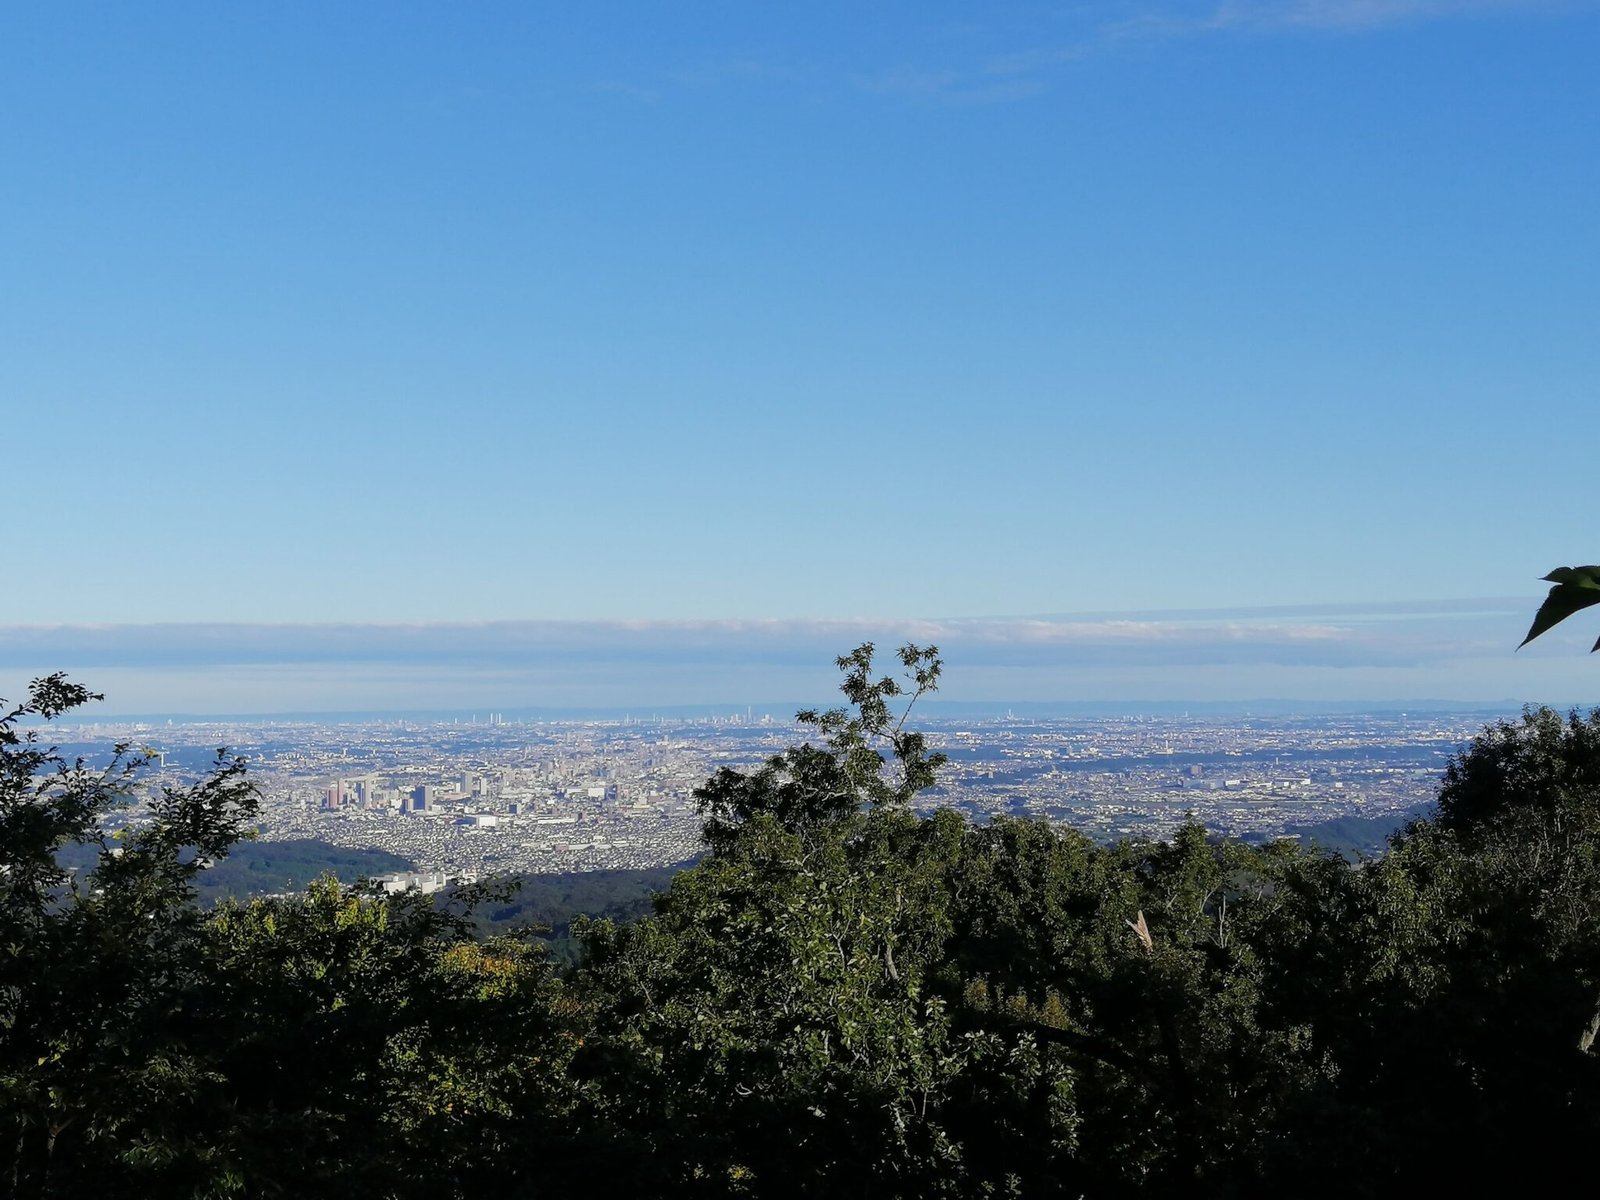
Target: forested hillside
545, 906
256, 868
841, 998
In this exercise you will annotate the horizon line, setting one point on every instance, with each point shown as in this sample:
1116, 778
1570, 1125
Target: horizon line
771, 708
1468, 605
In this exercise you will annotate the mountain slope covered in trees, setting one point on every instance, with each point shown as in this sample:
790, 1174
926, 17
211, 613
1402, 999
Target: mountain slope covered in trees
842, 998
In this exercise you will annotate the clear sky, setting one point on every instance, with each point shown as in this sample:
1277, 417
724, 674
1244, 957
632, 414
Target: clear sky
401, 313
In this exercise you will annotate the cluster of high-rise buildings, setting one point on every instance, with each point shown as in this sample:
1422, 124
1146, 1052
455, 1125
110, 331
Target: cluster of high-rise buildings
370, 794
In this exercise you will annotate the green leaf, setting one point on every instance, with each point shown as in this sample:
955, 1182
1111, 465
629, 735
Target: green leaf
1588, 577
1576, 588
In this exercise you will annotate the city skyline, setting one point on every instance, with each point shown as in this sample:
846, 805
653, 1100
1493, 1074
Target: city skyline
457, 800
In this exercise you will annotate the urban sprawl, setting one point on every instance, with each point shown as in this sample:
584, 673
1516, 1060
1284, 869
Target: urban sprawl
468, 798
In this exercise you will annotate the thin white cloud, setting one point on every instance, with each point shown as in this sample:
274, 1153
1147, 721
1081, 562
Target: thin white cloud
998, 75
1375, 651
999, 60
1361, 633
1330, 15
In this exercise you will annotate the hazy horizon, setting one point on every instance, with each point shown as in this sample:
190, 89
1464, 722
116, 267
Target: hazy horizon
1456, 652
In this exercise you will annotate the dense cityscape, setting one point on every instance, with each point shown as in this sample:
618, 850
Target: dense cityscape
471, 797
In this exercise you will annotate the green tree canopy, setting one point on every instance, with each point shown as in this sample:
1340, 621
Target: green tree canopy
851, 993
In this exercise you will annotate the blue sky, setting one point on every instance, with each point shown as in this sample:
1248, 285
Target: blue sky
333, 316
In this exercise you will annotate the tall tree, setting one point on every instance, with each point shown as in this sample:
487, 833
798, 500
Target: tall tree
101, 971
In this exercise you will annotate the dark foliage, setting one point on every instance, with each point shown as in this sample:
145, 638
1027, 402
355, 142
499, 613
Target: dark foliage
271, 868
545, 906
842, 998
1351, 837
